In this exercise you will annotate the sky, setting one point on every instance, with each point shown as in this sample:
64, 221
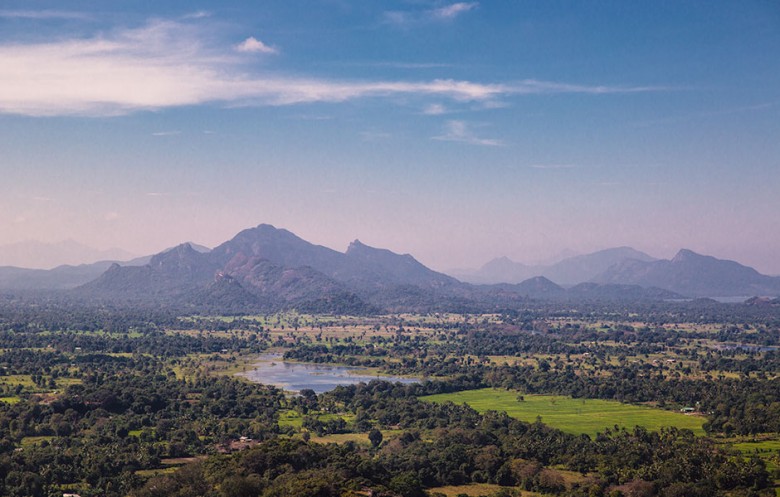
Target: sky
454, 131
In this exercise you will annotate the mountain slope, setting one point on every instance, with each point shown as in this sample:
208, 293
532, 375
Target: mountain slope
582, 268
369, 265
67, 277
278, 269
569, 271
361, 266
40, 255
693, 275
265, 269
168, 274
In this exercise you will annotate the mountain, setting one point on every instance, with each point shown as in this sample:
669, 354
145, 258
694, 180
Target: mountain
380, 266
59, 278
361, 266
612, 291
585, 267
66, 277
272, 268
265, 269
569, 271
538, 287
500, 270
41, 255
693, 275
168, 274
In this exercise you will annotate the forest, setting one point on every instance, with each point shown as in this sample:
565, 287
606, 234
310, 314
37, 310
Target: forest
120, 401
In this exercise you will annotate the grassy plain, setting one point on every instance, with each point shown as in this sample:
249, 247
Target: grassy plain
576, 416
476, 490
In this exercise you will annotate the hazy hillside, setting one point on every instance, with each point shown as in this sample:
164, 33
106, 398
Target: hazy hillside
266, 268
569, 271
272, 268
41, 255
693, 274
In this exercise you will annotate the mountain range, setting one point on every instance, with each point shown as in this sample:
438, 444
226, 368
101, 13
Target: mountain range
41, 255
569, 271
65, 276
273, 268
693, 275
687, 273
265, 269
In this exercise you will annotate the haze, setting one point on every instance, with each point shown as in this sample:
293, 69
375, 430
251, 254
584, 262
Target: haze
457, 132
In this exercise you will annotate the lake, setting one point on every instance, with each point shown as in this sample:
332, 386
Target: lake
296, 376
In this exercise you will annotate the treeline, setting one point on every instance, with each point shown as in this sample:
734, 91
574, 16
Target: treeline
447, 444
745, 405
125, 415
158, 343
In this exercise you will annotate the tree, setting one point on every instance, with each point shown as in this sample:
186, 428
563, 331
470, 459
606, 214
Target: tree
375, 436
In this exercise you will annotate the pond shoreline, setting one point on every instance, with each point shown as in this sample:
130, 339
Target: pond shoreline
293, 376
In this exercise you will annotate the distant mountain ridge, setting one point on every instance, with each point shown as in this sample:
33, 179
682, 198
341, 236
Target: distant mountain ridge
694, 275
41, 255
276, 268
268, 269
540, 287
569, 271
66, 277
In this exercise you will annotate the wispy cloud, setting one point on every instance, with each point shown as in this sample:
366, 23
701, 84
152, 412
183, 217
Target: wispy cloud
199, 14
420, 17
452, 11
459, 131
167, 64
253, 45
434, 110
43, 14
111, 216
166, 133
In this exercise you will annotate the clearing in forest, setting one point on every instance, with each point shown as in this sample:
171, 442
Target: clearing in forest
576, 416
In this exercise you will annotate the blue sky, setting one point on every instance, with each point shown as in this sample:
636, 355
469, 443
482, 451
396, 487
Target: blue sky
455, 131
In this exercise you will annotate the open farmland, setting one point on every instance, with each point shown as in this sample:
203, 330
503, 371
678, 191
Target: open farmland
576, 416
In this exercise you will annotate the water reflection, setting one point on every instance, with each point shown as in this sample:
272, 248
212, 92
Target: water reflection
296, 376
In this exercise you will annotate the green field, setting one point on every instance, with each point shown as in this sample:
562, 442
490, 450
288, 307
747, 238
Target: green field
30, 441
575, 416
477, 490
758, 447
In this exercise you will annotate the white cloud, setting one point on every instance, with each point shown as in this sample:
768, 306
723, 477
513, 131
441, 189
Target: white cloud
167, 64
199, 14
418, 18
459, 131
166, 133
434, 110
454, 10
253, 45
